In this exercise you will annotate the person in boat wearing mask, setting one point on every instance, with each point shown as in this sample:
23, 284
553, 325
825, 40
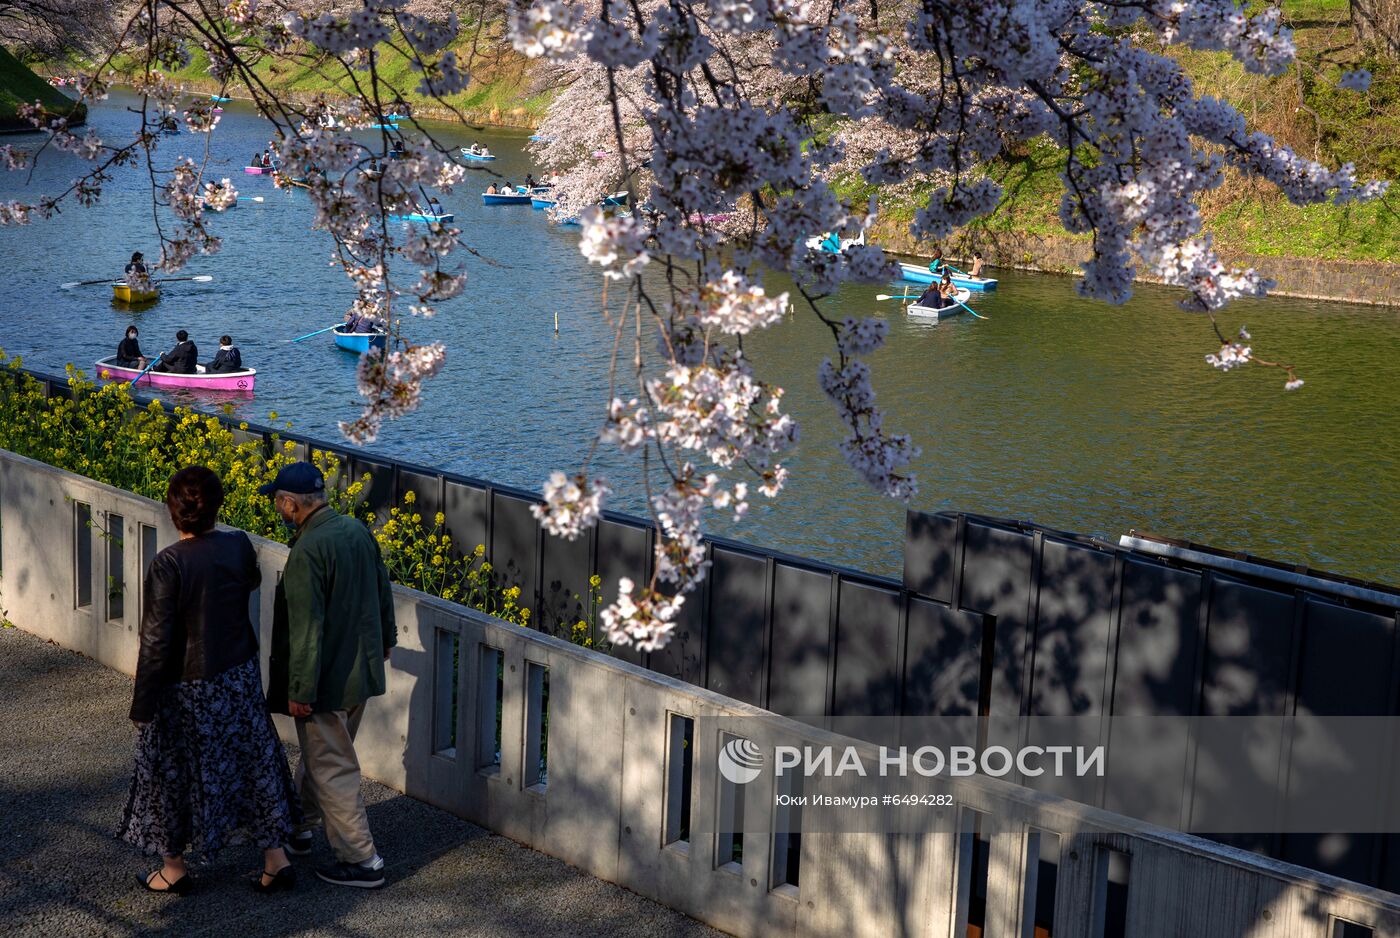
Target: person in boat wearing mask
227, 358
182, 359
129, 351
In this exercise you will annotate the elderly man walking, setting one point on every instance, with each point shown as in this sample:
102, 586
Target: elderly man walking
332, 630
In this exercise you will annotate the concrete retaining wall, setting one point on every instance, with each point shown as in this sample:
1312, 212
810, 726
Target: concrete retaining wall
610, 789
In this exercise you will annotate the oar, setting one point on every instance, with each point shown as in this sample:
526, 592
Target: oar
202, 278
143, 372
317, 332
968, 308
251, 198
83, 283
885, 296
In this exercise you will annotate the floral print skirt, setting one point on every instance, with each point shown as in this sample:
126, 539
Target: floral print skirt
210, 771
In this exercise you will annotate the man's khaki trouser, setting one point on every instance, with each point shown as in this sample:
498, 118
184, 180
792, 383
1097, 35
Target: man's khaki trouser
329, 781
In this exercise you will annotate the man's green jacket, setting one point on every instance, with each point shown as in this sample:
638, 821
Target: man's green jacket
333, 620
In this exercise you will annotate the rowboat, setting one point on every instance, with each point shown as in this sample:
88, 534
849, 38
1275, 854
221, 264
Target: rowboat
537, 202
383, 126
210, 208
126, 293
476, 156
259, 170
216, 110
423, 216
358, 342
617, 198
507, 198
214, 97
202, 380
916, 273
536, 138
928, 312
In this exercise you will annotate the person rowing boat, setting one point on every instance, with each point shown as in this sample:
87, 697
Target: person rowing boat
138, 277
183, 359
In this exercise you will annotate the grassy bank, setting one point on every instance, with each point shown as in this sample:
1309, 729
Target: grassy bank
19, 85
500, 92
1302, 109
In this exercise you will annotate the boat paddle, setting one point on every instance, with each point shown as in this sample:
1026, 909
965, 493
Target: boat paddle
251, 198
132, 384
317, 332
885, 296
202, 278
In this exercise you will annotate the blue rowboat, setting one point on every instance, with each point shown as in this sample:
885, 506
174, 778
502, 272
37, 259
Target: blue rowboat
476, 156
383, 126
214, 97
537, 202
422, 216
506, 198
916, 273
358, 342
536, 138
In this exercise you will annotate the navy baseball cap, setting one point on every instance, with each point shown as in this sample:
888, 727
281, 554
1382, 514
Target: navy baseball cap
299, 478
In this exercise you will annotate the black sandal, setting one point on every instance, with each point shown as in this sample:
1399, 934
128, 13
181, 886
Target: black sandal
282, 881
180, 887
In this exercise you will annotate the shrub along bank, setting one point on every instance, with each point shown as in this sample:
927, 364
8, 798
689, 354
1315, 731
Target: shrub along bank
101, 433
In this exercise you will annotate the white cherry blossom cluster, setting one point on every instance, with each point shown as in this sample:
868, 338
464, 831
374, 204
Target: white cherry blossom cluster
642, 616
572, 504
392, 384
611, 237
553, 28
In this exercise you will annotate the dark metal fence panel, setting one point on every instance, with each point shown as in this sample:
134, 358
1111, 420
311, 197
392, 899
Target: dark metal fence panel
800, 647
868, 633
943, 661
623, 550
1248, 672
426, 488
930, 552
738, 607
468, 512
379, 492
996, 576
1159, 641
565, 568
1346, 668
1073, 628
514, 547
684, 655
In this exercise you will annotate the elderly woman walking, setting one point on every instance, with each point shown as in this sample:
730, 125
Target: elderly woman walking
210, 770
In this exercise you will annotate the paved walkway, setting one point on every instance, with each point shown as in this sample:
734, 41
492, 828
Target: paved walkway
65, 763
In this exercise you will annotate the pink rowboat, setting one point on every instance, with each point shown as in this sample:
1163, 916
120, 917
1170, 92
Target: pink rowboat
207, 381
260, 170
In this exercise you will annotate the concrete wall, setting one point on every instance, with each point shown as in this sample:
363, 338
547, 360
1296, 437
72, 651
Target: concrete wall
604, 805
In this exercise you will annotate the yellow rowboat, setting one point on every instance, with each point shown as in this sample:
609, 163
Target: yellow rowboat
129, 294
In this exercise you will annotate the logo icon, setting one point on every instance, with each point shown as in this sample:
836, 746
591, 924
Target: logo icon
740, 761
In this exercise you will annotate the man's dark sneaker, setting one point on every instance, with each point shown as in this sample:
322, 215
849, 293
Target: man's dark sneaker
353, 874
299, 844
